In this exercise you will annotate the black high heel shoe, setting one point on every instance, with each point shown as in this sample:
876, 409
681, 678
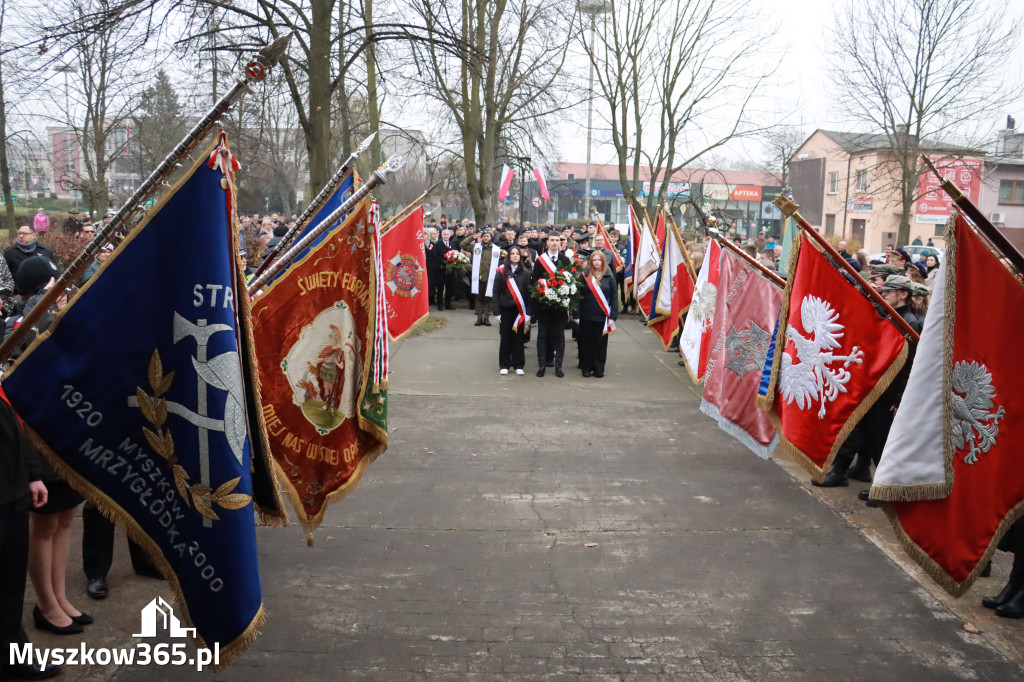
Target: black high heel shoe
1009, 590
83, 619
43, 624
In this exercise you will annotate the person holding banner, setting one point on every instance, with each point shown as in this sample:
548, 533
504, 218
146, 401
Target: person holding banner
511, 286
596, 313
485, 265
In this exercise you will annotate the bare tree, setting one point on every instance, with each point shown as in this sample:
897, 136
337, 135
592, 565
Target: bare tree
5, 169
676, 79
507, 75
780, 144
917, 69
109, 67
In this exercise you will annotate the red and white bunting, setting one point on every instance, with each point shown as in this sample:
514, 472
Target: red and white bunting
517, 296
595, 288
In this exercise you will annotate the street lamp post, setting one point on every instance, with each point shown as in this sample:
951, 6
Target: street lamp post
592, 9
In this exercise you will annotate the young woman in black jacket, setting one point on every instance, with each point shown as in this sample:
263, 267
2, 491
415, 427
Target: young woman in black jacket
596, 313
511, 294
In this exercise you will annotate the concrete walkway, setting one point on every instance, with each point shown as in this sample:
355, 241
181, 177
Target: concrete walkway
578, 529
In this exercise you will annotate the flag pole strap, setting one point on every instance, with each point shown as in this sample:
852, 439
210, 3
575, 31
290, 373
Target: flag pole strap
997, 238
791, 209
255, 71
314, 206
404, 213
379, 177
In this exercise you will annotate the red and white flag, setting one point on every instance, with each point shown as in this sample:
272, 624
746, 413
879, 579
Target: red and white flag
950, 474
838, 356
695, 340
673, 289
659, 228
405, 275
617, 262
538, 173
745, 315
632, 246
645, 270
506, 182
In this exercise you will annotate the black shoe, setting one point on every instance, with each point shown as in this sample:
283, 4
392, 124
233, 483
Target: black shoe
871, 503
863, 475
540, 372
599, 375
1014, 608
586, 373
863, 495
487, 323
478, 323
43, 624
83, 619
97, 588
987, 571
1007, 593
559, 373
440, 307
31, 671
831, 480
449, 307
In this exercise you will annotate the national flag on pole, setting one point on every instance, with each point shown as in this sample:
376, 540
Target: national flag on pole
745, 314
632, 245
659, 228
836, 356
673, 289
538, 173
645, 270
319, 356
695, 340
405, 275
337, 198
951, 470
506, 182
154, 420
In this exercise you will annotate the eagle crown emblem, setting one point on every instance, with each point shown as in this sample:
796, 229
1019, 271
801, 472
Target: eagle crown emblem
975, 423
813, 379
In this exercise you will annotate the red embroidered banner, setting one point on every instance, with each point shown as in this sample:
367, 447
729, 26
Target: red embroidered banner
405, 275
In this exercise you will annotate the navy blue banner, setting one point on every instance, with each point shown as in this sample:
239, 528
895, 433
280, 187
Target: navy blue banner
137, 391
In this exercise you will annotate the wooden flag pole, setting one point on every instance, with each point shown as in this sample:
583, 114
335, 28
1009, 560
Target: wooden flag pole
404, 213
255, 71
997, 238
314, 206
790, 209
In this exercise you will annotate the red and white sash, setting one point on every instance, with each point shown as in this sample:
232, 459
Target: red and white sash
518, 298
609, 325
545, 260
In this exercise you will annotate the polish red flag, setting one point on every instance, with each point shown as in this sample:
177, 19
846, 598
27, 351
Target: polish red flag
538, 173
838, 357
695, 340
659, 228
745, 314
632, 246
645, 271
406, 294
672, 290
506, 182
950, 476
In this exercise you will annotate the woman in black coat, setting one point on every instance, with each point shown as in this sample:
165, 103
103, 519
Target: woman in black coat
509, 309
595, 323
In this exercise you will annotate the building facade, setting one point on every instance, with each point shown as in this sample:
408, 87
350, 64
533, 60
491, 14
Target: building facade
847, 185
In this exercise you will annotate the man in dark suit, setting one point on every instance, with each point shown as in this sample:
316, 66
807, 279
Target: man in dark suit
550, 320
445, 279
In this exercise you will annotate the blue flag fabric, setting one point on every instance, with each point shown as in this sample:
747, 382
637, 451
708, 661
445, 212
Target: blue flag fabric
766, 371
343, 192
137, 395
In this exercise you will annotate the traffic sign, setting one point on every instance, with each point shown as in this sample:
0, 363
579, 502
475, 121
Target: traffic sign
148, 203
536, 202
3, 199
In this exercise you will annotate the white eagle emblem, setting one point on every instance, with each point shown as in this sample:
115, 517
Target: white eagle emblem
975, 425
703, 305
813, 379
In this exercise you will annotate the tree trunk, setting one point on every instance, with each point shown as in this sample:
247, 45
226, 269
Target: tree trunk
5, 171
372, 105
318, 137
